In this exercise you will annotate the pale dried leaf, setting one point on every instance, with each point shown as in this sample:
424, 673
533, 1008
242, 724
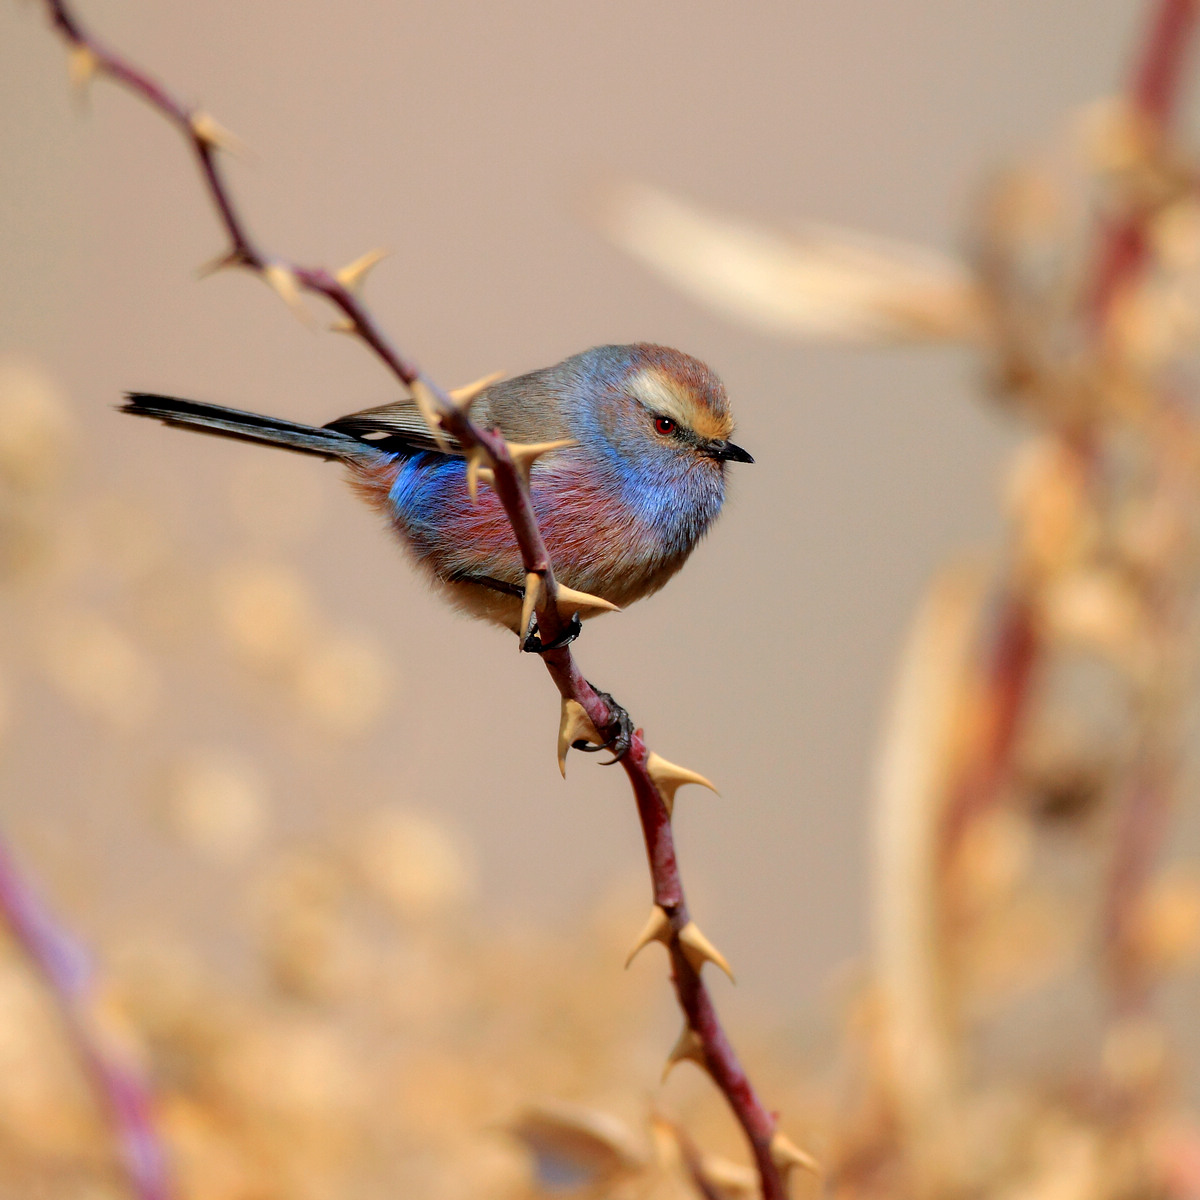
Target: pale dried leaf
575, 1147
911, 784
823, 283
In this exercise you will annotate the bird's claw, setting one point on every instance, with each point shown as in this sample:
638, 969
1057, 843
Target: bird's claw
621, 739
620, 725
533, 642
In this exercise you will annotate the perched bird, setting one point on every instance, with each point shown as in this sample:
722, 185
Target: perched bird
620, 510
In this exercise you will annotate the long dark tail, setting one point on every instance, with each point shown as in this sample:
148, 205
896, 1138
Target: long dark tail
249, 427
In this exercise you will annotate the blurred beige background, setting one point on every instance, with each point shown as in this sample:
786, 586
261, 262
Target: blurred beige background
467, 139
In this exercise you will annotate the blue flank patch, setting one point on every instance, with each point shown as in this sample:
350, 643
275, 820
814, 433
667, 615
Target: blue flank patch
426, 487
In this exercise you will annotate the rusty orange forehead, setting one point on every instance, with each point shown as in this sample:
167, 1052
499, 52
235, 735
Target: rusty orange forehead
683, 388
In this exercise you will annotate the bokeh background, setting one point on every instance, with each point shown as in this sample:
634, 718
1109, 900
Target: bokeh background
468, 139
220, 651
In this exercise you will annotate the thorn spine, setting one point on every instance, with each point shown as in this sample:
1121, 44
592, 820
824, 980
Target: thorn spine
283, 282
533, 595
687, 1048
669, 777
463, 397
573, 725
525, 454
478, 471
569, 601
352, 275
214, 136
785, 1154
220, 262
698, 950
83, 65
427, 402
656, 929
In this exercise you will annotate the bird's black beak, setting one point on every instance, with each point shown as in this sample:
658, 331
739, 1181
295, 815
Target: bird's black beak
727, 452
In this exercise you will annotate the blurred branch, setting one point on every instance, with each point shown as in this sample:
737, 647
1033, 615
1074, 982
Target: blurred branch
1159, 700
1153, 95
1159, 74
64, 970
1010, 668
654, 781
1016, 647
1140, 826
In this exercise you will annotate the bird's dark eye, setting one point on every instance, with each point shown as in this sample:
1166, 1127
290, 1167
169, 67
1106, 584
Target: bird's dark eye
664, 425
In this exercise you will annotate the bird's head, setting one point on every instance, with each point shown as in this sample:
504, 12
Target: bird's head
662, 412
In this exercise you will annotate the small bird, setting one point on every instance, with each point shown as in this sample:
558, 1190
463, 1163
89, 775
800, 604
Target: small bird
620, 509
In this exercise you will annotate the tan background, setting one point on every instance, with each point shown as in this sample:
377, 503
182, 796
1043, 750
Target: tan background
467, 137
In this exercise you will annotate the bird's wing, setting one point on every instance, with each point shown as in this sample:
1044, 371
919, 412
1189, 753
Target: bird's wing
527, 409
397, 427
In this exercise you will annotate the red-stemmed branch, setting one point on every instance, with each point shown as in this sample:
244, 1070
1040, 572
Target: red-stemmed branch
1013, 658
65, 971
653, 780
1153, 94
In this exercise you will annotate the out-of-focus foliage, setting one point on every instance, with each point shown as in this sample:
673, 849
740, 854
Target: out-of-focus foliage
1030, 913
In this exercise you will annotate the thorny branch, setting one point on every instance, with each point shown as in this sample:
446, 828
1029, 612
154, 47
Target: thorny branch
653, 780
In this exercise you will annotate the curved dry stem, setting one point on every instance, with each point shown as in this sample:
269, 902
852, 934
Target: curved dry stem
65, 972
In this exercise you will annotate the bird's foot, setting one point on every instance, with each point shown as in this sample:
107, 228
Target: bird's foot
533, 642
620, 727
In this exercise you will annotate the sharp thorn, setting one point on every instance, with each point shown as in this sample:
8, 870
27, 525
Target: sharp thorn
698, 950
728, 1178
466, 395
477, 456
525, 454
533, 594
574, 725
206, 131
222, 262
352, 275
83, 65
688, 1048
283, 282
669, 778
427, 401
785, 1154
657, 929
569, 601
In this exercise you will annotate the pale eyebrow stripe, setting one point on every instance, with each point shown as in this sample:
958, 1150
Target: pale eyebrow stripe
661, 395
657, 393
